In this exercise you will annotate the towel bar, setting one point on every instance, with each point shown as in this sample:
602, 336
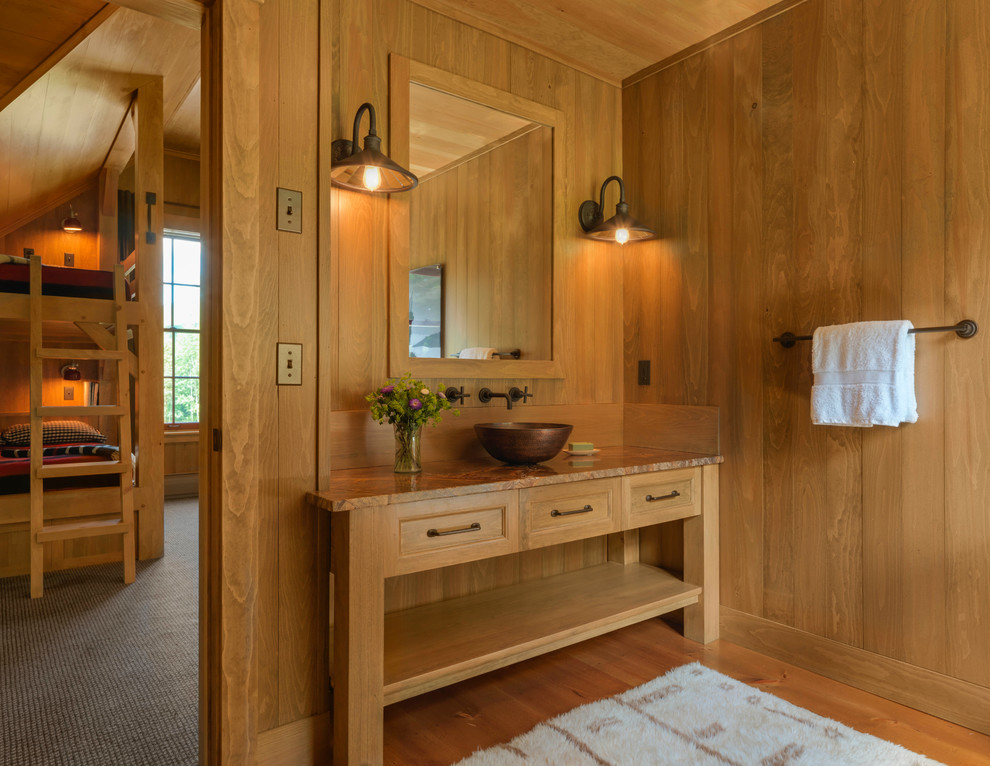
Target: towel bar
967, 328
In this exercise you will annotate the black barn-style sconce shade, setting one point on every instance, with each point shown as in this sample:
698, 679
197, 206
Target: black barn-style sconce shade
71, 372
367, 170
71, 223
621, 227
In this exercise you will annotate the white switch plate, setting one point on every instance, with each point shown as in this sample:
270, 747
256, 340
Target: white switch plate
290, 364
289, 210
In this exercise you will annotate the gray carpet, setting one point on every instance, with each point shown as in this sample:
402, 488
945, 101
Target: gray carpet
100, 673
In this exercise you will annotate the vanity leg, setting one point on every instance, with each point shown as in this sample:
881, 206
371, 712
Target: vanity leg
358, 636
701, 561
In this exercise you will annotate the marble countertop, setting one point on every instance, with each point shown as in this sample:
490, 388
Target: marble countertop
362, 487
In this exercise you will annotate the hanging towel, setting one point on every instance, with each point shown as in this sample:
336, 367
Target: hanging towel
477, 352
864, 375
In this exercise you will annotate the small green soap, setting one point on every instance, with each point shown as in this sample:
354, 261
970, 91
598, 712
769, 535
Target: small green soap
581, 446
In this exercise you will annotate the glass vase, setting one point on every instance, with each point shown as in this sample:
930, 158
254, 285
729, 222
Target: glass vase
407, 440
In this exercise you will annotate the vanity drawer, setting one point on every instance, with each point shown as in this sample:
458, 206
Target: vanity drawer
653, 498
564, 512
427, 534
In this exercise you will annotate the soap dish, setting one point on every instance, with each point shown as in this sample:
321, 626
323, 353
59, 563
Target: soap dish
582, 452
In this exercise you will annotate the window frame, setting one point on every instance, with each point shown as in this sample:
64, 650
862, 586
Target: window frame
172, 234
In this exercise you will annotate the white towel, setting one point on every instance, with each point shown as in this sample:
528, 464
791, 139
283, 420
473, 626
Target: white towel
864, 375
477, 352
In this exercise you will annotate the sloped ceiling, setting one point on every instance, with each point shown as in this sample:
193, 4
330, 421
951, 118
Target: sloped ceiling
32, 30
611, 40
56, 134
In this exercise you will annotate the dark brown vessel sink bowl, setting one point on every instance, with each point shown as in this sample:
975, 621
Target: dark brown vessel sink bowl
523, 443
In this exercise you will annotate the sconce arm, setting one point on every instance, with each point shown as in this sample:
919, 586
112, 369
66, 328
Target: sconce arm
622, 192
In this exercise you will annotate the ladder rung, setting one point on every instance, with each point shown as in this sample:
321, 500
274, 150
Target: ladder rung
93, 411
94, 468
82, 529
79, 353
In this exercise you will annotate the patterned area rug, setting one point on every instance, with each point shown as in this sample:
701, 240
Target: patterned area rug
694, 716
98, 673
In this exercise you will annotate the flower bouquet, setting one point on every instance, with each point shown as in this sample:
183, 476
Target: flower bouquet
408, 405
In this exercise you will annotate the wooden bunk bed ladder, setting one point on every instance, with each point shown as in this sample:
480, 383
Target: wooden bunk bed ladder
122, 524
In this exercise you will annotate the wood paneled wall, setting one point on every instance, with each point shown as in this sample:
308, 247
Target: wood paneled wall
293, 553
363, 36
829, 165
44, 234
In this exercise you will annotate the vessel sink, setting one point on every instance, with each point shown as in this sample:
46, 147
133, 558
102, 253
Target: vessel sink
523, 443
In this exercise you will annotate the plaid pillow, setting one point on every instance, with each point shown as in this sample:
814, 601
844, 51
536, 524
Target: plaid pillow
53, 432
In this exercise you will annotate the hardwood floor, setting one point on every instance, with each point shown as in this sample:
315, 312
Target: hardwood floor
446, 725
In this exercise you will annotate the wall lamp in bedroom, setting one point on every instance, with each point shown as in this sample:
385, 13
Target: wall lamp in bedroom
368, 170
621, 227
71, 372
71, 223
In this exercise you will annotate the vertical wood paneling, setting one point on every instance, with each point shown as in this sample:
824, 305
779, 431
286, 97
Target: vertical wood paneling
268, 500
882, 237
848, 149
923, 204
808, 292
781, 370
303, 554
743, 328
967, 277
843, 231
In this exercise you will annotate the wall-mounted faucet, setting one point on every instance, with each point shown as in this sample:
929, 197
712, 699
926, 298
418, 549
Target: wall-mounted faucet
455, 395
485, 395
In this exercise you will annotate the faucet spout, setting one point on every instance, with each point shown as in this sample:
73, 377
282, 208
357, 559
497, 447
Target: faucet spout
485, 395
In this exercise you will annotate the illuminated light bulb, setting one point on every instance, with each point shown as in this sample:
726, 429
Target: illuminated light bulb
622, 236
372, 178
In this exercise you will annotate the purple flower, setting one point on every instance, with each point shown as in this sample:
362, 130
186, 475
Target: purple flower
415, 404
387, 389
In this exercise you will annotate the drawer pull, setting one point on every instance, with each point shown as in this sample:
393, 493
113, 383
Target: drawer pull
651, 499
586, 509
437, 533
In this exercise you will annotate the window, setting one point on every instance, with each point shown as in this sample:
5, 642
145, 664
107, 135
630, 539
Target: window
181, 259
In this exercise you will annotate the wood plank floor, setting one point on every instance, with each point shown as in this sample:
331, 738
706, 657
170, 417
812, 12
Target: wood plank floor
446, 725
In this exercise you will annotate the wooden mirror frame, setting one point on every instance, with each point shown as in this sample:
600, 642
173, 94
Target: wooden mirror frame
402, 71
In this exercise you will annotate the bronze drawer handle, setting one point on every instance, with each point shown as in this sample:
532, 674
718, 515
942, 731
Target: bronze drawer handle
437, 533
586, 509
675, 493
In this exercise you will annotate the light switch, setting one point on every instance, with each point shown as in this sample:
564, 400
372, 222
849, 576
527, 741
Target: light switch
68, 393
289, 210
289, 364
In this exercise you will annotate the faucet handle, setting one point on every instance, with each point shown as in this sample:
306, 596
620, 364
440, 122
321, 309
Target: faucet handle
452, 393
515, 394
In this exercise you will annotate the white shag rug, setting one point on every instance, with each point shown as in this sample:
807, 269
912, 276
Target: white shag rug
694, 716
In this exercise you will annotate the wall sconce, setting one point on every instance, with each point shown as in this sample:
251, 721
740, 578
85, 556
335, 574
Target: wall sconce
71, 224
367, 170
621, 227
71, 372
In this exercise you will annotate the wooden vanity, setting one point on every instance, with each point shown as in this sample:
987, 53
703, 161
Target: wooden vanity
386, 525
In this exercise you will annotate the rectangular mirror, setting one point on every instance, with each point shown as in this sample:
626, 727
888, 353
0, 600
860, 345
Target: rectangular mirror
481, 223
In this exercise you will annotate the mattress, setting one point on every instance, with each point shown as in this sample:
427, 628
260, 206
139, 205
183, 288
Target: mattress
58, 280
15, 474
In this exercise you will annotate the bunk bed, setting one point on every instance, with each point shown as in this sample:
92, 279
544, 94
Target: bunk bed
65, 488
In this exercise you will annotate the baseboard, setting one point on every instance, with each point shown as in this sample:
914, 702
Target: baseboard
943, 696
306, 741
182, 485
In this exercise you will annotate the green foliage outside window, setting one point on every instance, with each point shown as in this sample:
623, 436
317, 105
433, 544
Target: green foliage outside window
181, 341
